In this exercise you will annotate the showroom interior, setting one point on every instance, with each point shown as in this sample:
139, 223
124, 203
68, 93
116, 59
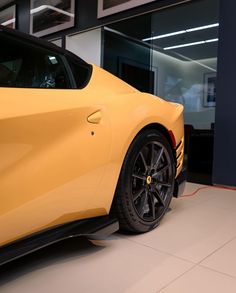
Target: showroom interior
184, 52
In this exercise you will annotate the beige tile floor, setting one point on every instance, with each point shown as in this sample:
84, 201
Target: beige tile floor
193, 250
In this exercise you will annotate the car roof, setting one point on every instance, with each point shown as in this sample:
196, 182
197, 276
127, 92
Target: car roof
40, 42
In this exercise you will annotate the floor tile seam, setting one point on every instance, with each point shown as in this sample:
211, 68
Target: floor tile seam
182, 258
219, 207
217, 271
226, 209
202, 193
163, 252
217, 249
205, 201
175, 279
190, 269
193, 203
206, 188
187, 206
203, 204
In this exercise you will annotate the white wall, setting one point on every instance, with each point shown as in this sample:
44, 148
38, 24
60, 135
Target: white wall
86, 45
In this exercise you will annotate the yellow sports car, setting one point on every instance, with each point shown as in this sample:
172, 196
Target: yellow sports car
80, 150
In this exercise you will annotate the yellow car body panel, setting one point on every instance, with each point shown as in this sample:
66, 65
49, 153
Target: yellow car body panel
61, 151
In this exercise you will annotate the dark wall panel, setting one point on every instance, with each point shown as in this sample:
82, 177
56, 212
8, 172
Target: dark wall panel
87, 12
23, 15
86, 15
118, 48
224, 167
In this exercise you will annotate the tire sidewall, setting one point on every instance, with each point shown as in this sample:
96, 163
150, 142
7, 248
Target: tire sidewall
139, 142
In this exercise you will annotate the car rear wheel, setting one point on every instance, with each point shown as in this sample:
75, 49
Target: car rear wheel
146, 183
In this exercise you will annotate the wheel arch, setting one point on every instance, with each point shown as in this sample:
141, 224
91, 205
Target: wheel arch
168, 134
150, 126
159, 127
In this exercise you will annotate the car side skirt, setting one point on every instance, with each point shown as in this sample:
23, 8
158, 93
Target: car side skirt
180, 182
94, 228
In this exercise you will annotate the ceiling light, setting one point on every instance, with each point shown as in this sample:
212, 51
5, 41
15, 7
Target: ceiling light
191, 44
165, 35
43, 7
212, 40
182, 32
202, 27
8, 22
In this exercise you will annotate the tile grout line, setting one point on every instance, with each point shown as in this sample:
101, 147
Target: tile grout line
202, 266
196, 265
216, 271
176, 256
157, 250
161, 251
199, 265
213, 252
183, 259
175, 279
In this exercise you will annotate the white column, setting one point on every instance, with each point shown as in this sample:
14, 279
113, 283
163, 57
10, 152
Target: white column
86, 45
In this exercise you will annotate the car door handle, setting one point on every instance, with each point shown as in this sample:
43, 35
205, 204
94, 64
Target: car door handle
95, 118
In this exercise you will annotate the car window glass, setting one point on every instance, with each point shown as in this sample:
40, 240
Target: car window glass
27, 66
81, 72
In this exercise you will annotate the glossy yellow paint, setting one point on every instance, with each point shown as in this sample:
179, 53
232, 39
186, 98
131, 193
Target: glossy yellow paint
61, 151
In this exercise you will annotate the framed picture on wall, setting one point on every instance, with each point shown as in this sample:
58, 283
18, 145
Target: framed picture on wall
138, 75
108, 7
47, 17
8, 17
209, 89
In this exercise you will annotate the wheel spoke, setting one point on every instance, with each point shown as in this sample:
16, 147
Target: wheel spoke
152, 155
142, 205
143, 160
159, 155
151, 180
161, 170
159, 198
152, 205
166, 184
141, 177
138, 194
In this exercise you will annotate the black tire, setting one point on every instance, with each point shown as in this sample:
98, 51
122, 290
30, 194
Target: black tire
146, 183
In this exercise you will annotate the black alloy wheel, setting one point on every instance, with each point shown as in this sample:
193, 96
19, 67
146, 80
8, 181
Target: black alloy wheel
146, 182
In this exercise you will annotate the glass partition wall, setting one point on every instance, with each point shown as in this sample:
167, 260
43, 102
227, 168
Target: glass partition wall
8, 16
172, 53
126, 55
184, 41
49, 16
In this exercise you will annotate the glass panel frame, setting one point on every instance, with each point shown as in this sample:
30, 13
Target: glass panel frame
42, 10
108, 7
8, 17
57, 42
185, 52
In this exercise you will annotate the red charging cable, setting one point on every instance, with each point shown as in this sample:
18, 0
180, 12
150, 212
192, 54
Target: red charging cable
208, 187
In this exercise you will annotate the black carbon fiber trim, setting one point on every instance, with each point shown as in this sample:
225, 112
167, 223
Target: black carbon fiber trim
94, 228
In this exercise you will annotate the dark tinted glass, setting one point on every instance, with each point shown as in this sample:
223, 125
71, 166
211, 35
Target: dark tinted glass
81, 72
27, 66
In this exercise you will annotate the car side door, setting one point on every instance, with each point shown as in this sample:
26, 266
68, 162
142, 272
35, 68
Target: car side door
52, 155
